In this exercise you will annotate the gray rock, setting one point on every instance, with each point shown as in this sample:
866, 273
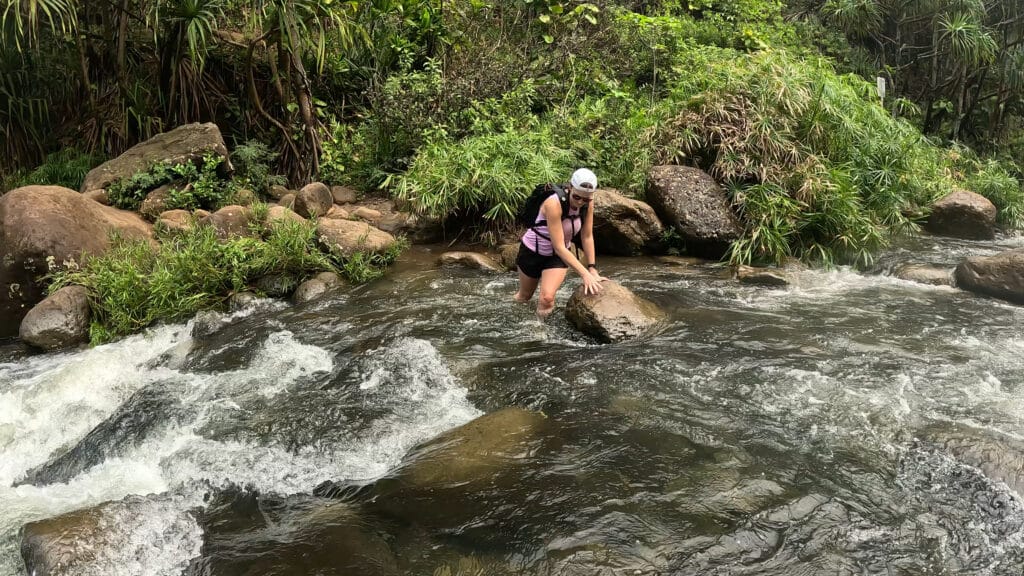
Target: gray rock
469, 260
690, 200
277, 191
308, 291
963, 214
59, 321
314, 200
188, 143
623, 226
155, 203
331, 279
612, 315
1000, 275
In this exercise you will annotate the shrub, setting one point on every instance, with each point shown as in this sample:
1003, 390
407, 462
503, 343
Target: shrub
135, 284
252, 161
195, 187
994, 180
490, 174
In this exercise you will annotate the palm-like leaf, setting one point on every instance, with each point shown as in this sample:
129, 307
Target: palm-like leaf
21, 19
968, 41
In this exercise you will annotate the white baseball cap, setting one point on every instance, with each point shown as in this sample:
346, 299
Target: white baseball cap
584, 181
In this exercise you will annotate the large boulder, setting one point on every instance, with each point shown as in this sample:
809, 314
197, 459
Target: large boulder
38, 222
623, 226
59, 321
188, 143
1000, 275
963, 214
612, 315
348, 237
690, 200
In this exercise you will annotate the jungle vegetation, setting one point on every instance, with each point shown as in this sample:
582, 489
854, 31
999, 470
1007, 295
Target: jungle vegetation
460, 106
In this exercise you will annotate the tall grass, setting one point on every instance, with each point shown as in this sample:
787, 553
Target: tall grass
66, 168
135, 284
490, 174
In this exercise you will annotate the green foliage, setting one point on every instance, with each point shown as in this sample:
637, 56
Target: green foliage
363, 267
252, 161
66, 168
491, 173
134, 284
195, 187
994, 180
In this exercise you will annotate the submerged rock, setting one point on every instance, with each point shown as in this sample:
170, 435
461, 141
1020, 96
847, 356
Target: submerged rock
308, 291
146, 411
277, 285
152, 534
762, 276
59, 321
615, 314
1001, 275
249, 534
924, 274
469, 260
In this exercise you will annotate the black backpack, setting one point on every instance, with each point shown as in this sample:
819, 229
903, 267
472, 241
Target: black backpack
531, 208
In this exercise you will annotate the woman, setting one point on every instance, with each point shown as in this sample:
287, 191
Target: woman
544, 255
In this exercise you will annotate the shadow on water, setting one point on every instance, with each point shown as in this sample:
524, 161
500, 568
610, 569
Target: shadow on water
847, 424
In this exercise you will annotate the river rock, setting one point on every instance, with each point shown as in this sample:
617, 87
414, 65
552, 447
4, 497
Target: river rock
155, 203
623, 226
999, 456
612, 315
347, 237
308, 291
466, 459
277, 285
104, 539
344, 194
367, 214
59, 321
244, 197
313, 200
41, 221
187, 143
507, 255
689, 200
417, 228
294, 536
772, 277
277, 191
276, 214
99, 195
468, 260
925, 274
331, 279
1000, 275
337, 213
174, 221
963, 214
241, 300
230, 221
288, 201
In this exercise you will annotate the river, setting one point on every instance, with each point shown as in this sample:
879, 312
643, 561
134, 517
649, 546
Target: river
852, 423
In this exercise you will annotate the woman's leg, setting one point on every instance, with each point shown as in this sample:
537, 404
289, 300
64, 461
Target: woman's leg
527, 286
550, 280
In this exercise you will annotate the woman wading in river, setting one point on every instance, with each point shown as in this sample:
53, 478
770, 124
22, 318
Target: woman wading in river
544, 255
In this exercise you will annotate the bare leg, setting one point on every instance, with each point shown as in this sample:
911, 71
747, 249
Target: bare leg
527, 286
550, 280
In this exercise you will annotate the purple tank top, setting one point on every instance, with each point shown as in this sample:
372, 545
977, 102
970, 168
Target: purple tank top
538, 238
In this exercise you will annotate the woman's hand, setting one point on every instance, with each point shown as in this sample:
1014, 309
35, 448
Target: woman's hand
592, 283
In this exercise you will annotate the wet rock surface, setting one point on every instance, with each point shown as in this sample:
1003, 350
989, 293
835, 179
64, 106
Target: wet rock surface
473, 260
613, 315
61, 320
1000, 275
963, 214
624, 226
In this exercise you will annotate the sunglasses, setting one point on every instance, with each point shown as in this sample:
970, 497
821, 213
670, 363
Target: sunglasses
583, 199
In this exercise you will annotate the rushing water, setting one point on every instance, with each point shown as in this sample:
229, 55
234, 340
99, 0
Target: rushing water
849, 424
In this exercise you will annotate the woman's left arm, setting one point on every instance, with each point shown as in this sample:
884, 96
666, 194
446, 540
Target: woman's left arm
587, 237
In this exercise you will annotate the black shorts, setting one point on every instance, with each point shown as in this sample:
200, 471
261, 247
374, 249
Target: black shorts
532, 264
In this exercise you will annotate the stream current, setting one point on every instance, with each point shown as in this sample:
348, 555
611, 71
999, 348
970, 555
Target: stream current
852, 423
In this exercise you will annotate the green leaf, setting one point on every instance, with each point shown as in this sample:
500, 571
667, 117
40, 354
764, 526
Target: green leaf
545, 18
549, 38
